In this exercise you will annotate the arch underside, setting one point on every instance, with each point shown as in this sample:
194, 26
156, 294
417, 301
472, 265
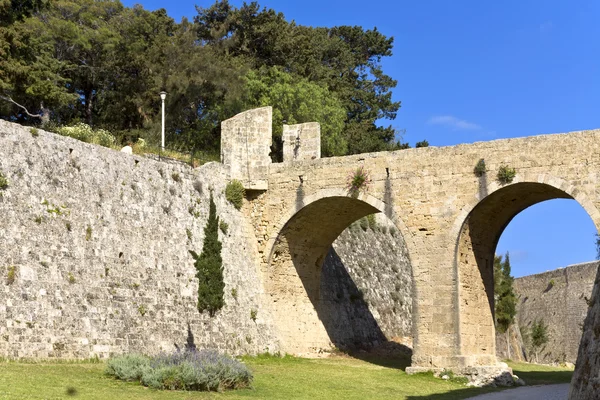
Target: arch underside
295, 266
475, 259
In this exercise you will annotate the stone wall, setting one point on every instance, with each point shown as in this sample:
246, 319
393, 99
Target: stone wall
366, 286
559, 297
98, 242
585, 384
301, 142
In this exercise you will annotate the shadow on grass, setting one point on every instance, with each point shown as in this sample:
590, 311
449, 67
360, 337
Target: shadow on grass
388, 354
543, 377
458, 394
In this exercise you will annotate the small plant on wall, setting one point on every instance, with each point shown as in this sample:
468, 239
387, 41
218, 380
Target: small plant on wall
359, 180
235, 193
479, 168
209, 266
3, 182
506, 174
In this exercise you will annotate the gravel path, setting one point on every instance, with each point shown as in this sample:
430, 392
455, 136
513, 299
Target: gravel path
545, 392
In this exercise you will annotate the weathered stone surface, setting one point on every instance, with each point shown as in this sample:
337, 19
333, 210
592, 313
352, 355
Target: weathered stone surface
245, 147
301, 142
99, 243
559, 298
585, 384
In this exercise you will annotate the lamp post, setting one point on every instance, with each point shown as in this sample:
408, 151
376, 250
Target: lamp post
163, 95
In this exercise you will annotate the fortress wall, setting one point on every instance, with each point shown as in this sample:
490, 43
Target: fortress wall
99, 241
559, 297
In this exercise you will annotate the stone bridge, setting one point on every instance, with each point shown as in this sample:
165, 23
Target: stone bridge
450, 219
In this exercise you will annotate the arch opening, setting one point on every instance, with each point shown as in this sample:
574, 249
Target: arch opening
317, 291
474, 260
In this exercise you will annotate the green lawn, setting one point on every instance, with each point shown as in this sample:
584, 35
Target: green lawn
275, 378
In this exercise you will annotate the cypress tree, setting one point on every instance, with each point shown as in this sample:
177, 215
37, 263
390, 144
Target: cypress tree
209, 266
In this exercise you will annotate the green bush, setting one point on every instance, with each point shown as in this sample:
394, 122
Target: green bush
209, 266
203, 370
128, 367
235, 193
3, 181
34, 132
85, 133
358, 180
506, 174
10, 276
479, 169
372, 221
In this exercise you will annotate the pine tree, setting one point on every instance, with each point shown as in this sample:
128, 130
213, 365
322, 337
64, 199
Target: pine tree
209, 266
506, 301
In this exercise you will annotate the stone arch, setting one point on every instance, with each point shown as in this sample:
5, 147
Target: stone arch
477, 230
295, 255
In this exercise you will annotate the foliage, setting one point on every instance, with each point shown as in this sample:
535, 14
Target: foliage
3, 181
71, 278
372, 221
98, 62
504, 295
204, 370
296, 100
223, 226
88, 233
253, 314
538, 335
597, 235
235, 193
176, 177
209, 266
34, 132
85, 133
358, 180
506, 174
423, 143
11, 274
479, 169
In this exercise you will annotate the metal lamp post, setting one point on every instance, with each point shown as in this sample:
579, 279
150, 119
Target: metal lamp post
163, 95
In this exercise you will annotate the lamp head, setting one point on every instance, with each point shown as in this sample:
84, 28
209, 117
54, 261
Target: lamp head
163, 95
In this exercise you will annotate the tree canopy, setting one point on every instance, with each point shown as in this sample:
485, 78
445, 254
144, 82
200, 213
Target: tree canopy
98, 62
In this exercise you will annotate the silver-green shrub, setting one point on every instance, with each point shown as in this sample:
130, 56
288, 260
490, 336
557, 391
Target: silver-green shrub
204, 370
85, 133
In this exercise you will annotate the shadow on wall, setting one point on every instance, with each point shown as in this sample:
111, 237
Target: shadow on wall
348, 320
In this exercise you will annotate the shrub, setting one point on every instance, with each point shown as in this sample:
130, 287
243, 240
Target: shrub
235, 193
253, 314
71, 278
506, 174
209, 266
358, 180
34, 132
128, 367
422, 143
538, 335
479, 169
3, 181
372, 221
85, 133
204, 370
223, 226
88, 233
176, 177
10, 276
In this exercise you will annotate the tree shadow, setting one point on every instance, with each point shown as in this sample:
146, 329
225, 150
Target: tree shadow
457, 394
351, 326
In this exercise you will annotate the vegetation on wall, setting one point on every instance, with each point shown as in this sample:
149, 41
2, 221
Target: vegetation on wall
209, 266
479, 169
358, 180
538, 336
235, 193
66, 62
3, 181
506, 174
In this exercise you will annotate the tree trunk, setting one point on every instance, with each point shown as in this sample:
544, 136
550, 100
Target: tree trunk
89, 94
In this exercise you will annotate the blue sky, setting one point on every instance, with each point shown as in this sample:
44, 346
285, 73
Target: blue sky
472, 71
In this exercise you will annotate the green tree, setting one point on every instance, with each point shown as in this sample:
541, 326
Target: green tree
296, 100
539, 336
504, 295
346, 60
209, 266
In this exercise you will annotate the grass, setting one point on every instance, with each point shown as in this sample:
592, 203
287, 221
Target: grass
274, 378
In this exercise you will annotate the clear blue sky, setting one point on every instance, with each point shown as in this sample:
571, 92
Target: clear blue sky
471, 71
